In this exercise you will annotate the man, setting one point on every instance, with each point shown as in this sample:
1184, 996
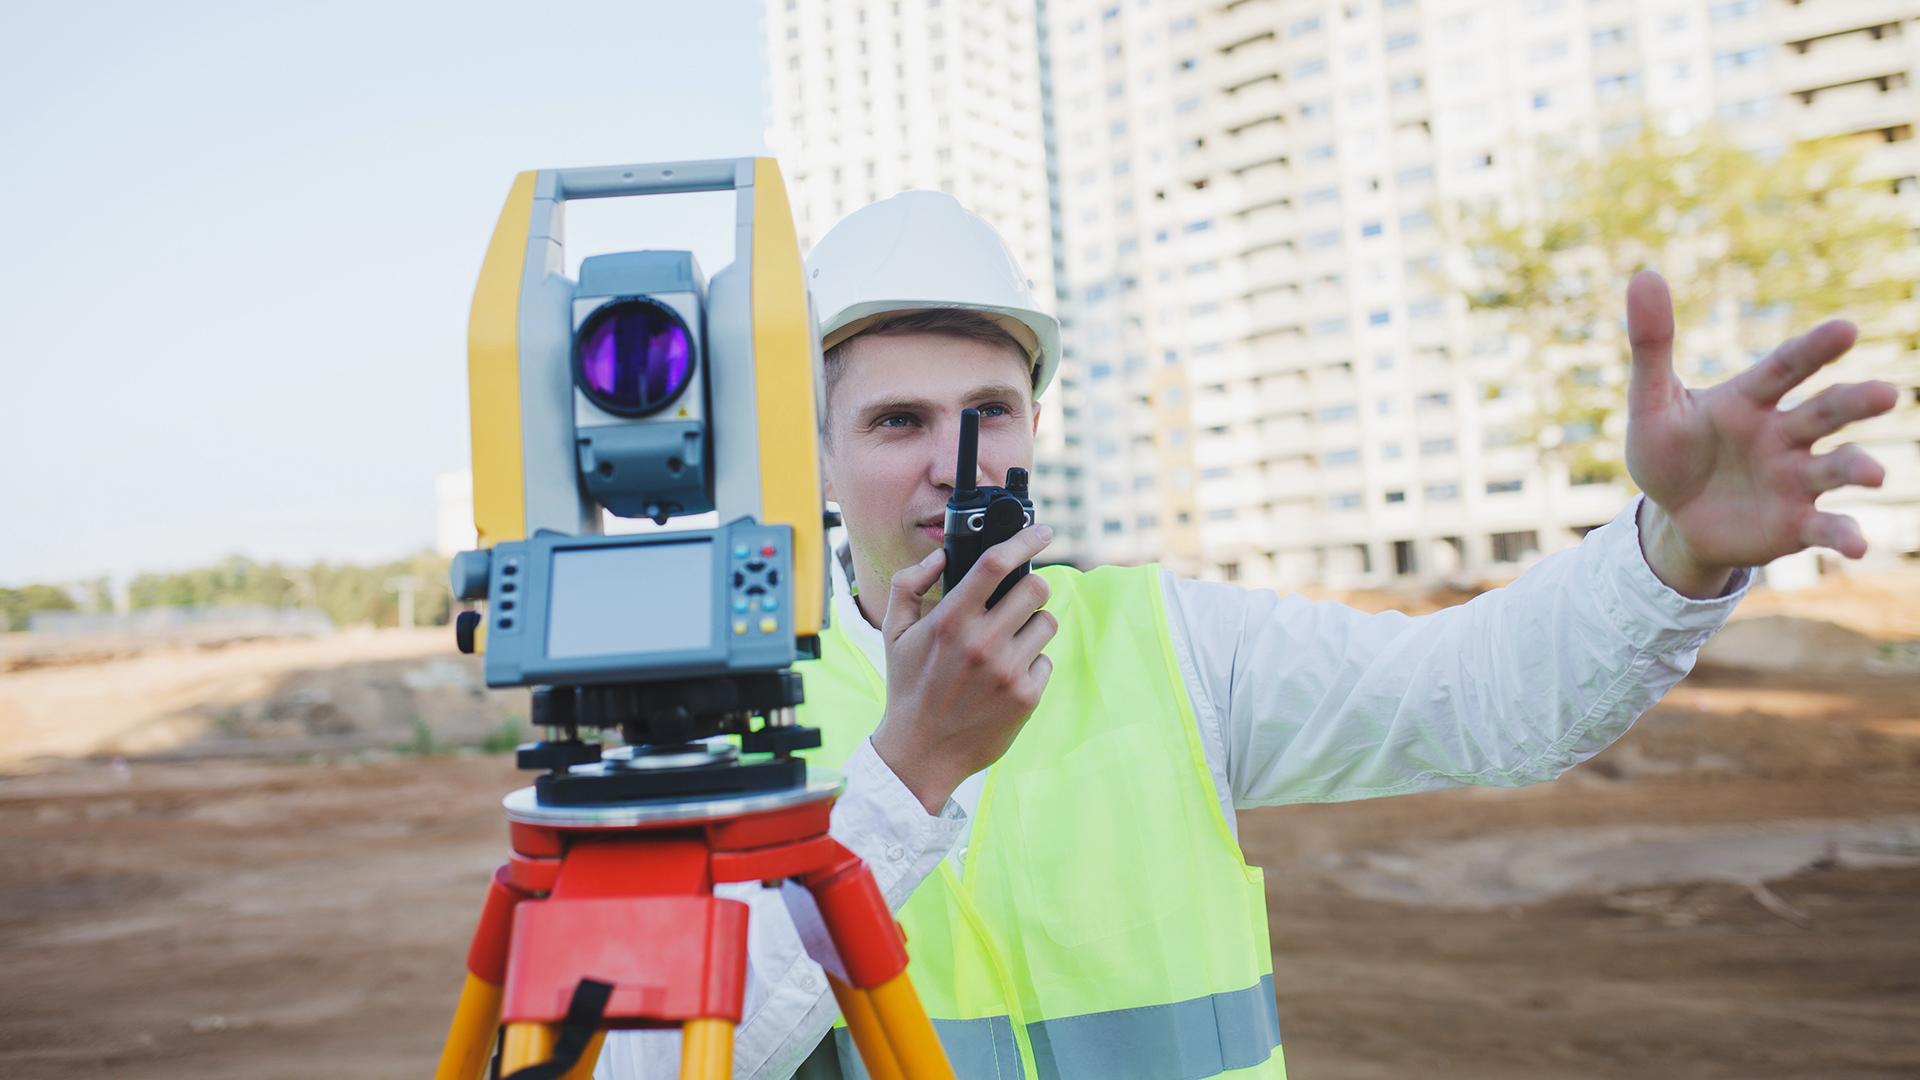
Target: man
1045, 790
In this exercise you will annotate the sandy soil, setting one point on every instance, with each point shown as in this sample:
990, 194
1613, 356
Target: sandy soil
1732, 891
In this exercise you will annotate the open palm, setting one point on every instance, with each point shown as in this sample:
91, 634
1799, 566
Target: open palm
1736, 474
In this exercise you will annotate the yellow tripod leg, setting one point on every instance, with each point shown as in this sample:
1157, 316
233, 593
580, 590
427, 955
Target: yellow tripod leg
864, 1026
583, 1069
525, 1044
915, 1044
706, 1049
470, 1041
531, 1044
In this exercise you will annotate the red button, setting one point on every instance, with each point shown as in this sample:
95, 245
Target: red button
767, 551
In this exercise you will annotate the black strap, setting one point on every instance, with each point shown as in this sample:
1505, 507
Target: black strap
576, 1031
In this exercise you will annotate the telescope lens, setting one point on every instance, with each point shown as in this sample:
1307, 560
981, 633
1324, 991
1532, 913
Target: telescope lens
635, 357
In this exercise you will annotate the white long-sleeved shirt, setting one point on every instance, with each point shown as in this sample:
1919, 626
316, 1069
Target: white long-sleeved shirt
1296, 701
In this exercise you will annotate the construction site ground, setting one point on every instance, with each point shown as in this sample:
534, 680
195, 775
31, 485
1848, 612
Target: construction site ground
263, 860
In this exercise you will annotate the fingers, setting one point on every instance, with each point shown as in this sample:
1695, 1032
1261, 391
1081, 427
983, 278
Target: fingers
1836, 531
1796, 358
1837, 406
997, 562
1650, 333
909, 586
1847, 465
1034, 636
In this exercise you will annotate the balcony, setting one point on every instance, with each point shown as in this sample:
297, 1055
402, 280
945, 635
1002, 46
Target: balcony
1843, 110
1832, 61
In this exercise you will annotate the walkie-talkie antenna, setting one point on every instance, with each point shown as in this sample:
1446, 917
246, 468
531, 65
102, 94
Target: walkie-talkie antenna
967, 468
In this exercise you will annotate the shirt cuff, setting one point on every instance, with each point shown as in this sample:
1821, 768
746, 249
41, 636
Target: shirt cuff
883, 823
1643, 606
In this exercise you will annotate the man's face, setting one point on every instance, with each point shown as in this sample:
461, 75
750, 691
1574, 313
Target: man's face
893, 432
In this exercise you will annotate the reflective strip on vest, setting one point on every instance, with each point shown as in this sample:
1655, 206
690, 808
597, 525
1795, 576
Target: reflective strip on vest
1186, 1040
978, 1049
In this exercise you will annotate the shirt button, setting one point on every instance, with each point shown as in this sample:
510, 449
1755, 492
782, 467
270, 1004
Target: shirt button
896, 853
806, 981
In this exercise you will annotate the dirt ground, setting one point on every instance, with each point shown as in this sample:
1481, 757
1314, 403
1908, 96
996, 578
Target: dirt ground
1732, 891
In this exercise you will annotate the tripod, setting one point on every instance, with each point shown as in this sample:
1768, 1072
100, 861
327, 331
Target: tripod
604, 917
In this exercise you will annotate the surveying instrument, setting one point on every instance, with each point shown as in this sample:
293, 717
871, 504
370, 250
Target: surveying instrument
644, 391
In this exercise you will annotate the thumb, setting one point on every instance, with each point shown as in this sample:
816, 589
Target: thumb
1650, 333
909, 585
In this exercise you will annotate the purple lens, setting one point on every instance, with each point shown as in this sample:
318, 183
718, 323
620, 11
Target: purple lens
635, 359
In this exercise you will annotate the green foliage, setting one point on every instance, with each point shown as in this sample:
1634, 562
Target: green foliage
349, 594
1753, 249
17, 605
503, 740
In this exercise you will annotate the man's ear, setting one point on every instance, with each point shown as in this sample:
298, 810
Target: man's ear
1036, 417
826, 472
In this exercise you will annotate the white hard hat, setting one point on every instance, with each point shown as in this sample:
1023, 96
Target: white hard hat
922, 250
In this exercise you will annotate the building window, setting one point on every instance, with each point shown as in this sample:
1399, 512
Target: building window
1310, 67
1442, 492
1503, 487
1405, 40
1348, 501
1409, 84
1752, 56
1403, 562
1335, 458
1218, 472
1437, 400
1371, 228
1112, 526
1513, 547
1379, 318
1396, 497
1334, 414
1145, 521
1224, 513
1230, 571
1430, 447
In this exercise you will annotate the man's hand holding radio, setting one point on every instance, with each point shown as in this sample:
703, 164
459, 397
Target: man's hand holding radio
962, 679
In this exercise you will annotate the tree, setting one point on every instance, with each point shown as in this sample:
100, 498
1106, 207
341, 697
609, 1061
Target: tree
1754, 248
18, 605
348, 594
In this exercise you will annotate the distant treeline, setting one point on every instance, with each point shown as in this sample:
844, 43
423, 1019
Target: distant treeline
349, 594
17, 604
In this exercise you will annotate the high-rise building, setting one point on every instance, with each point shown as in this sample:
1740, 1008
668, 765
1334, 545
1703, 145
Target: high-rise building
1279, 386
874, 97
1267, 380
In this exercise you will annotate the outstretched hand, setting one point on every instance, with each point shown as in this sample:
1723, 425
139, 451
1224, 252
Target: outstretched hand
1731, 479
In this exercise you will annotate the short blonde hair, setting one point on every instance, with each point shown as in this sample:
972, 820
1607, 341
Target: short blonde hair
950, 322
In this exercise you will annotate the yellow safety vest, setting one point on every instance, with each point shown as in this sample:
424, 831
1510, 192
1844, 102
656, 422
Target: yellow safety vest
1107, 926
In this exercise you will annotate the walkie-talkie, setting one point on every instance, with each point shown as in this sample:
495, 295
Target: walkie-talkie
980, 517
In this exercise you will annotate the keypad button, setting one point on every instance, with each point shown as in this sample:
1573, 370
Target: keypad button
740, 604
739, 626
769, 603
739, 551
769, 551
769, 625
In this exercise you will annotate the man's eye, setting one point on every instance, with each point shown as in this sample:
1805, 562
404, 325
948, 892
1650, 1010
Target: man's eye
896, 420
993, 410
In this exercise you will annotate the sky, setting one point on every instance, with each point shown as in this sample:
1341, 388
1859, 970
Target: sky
243, 241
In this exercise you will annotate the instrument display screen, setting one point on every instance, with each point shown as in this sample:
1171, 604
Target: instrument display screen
640, 598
